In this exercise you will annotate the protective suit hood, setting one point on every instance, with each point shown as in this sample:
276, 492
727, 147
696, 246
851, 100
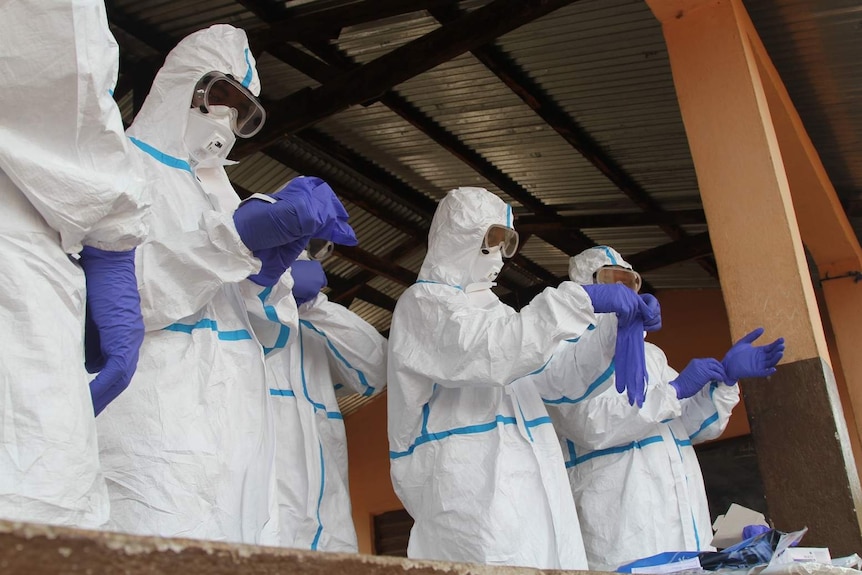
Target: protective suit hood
585, 264
457, 230
163, 118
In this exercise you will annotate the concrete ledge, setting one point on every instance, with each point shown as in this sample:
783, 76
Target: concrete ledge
33, 549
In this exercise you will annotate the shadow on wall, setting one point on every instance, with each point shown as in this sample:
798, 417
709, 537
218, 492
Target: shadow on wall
731, 475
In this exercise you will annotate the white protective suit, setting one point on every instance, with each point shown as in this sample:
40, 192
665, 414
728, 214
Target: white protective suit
473, 456
634, 473
333, 350
67, 178
188, 450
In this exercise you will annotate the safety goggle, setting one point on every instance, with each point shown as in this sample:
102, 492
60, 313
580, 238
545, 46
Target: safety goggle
319, 250
618, 275
217, 89
498, 235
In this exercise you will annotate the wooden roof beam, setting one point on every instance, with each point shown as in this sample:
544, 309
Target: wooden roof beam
380, 266
307, 107
569, 240
365, 293
685, 249
266, 10
376, 297
325, 18
536, 224
510, 73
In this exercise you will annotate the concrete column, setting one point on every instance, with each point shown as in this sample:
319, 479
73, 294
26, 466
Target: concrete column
796, 416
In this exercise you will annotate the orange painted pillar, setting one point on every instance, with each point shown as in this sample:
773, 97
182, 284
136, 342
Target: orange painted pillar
796, 416
825, 229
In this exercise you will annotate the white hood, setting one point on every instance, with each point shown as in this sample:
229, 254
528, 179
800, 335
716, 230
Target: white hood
162, 121
585, 264
455, 238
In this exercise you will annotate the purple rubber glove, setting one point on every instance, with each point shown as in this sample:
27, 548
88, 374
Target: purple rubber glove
274, 262
114, 326
305, 208
308, 279
618, 299
696, 374
746, 360
654, 322
750, 531
630, 362
629, 359
278, 228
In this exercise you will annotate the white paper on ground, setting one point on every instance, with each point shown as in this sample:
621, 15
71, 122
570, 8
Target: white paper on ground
728, 527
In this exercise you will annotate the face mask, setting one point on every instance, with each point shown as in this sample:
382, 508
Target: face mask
209, 137
486, 267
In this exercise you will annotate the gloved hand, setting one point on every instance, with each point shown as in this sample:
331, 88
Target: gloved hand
115, 327
654, 323
274, 262
621, 300
303, 209
746, 360
750, 531
696, 374
308, 279
630, 362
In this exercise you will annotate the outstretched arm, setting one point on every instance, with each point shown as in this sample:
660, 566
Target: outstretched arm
438, 334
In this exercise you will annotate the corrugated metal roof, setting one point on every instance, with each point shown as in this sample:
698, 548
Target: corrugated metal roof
630, 104
546, 256
686, 275
376, 316
815, 46
260, 174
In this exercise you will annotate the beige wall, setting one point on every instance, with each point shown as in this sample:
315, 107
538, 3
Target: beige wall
695, 325
368, 453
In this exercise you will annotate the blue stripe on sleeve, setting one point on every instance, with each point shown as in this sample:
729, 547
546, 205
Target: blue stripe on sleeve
362, 379
233, 335
593, 386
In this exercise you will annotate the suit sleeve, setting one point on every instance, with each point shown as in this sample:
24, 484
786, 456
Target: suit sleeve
357, 352
445, 338
61, 134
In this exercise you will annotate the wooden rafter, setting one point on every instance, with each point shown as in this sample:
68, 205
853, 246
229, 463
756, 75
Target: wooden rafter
567, 239
324, 18
510, 73
610, 220
309, 106
688, 248
365, 293
353, 286
380, 266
